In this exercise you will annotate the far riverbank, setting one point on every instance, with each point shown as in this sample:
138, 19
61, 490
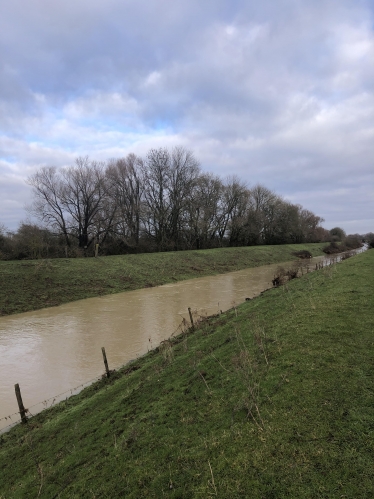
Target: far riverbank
34, 284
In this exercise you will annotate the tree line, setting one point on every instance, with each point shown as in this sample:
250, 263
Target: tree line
162, 202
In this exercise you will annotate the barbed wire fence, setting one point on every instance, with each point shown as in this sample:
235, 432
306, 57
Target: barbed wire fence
16, 418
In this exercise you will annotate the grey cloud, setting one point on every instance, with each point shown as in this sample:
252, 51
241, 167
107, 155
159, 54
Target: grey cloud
279, 93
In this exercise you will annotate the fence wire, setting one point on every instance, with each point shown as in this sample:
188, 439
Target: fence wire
59, 397
56, 398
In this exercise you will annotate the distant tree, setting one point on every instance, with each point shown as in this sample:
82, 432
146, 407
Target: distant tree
369, 239
288, 224
162, 202
233, 209
168, 179
321, 235
260, 214
353, 241
203, 211
48, 204
155, 175
184, 174
32, 241
74, 202
3, 233
310, 225
5, 243
127, 188
86, 200
337, 234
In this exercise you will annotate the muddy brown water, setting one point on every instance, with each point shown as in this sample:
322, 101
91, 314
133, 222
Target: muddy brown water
58, 349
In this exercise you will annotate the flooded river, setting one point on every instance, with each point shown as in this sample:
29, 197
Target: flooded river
55, 350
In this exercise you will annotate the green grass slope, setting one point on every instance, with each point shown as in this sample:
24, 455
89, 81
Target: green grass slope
33, 284
273, 399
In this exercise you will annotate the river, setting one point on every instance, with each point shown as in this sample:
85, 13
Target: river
57, 350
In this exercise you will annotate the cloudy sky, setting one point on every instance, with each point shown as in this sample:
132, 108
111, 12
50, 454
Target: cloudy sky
279, 93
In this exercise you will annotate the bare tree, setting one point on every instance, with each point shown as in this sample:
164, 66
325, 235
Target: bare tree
5, 242
204, 211
310, 225
48, 205
285, 226
163, 201
168, 179
155, 175
84, 195
126, 186
74, 201
260, 213
236, 197
183, 175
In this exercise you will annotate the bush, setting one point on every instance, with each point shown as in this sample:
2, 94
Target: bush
369, 240
353, 241
333, 248
303, 254
337, 234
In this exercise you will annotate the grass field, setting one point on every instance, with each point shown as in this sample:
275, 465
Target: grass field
273, 399
34, 284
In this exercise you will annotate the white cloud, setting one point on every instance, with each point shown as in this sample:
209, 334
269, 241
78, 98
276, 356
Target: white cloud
152, 78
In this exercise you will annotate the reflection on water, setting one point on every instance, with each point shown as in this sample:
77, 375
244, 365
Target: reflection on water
55, 349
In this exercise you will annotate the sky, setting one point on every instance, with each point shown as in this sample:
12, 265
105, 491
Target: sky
278, 93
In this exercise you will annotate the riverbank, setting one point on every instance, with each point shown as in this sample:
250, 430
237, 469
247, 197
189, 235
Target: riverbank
271, 399
34, 284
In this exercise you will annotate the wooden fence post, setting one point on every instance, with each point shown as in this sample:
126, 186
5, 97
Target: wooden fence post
191, 319
105, 362
20, 404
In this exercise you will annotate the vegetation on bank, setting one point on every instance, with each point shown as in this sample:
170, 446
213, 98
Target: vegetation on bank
271, 399
348, 243
34, 284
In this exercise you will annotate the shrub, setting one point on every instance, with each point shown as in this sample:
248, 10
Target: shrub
369, 239
303, 254
333, 248
337, 234
353, 241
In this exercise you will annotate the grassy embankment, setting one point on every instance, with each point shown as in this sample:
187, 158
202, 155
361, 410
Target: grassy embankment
34, 284
271, 400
